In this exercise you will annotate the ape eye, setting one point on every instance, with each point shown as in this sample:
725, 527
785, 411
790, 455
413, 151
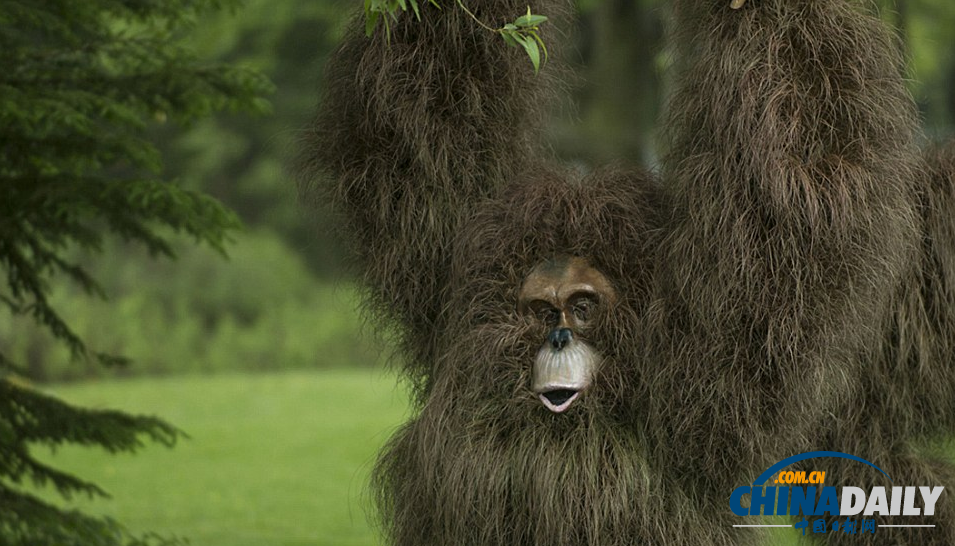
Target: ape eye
549, 316
583, 308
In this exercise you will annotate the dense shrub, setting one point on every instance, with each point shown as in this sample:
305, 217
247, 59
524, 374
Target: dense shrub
259, 310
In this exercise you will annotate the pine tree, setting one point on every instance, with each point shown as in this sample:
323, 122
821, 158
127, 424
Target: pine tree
80, 84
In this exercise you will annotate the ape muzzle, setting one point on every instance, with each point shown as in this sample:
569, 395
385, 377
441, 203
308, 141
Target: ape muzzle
564, 367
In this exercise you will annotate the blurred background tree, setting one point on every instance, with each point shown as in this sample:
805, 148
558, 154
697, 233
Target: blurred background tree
80, 83
85, 94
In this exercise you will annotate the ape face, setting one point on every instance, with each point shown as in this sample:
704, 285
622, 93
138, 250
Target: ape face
563, 296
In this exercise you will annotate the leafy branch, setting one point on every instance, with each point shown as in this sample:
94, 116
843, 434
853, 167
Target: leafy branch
523, 32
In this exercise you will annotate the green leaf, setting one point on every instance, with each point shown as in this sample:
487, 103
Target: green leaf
371, 21
528, 21
537, 39
509, 38
530, 46
519, 38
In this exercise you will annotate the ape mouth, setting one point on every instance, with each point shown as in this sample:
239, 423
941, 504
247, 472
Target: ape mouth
558, 400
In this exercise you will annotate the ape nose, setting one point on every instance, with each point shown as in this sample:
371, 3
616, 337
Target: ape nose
560, 337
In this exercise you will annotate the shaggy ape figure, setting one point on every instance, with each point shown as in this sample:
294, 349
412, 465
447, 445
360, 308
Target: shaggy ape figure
601, 361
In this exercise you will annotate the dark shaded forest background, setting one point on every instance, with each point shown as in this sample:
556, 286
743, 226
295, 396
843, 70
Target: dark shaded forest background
284, 300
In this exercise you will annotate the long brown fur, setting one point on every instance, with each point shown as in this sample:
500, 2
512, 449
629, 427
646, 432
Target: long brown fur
793, 170
903, 413
795, 258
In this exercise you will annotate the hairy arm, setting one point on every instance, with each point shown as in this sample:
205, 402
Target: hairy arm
413, 130
921, 364
792, 167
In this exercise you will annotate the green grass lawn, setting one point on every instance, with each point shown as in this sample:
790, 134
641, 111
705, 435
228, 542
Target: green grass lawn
273, 460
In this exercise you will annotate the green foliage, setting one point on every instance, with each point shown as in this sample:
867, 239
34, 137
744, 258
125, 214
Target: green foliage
80, 83
28, 417
927, 29
389, 9
523, 32
261, 310
242, 161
